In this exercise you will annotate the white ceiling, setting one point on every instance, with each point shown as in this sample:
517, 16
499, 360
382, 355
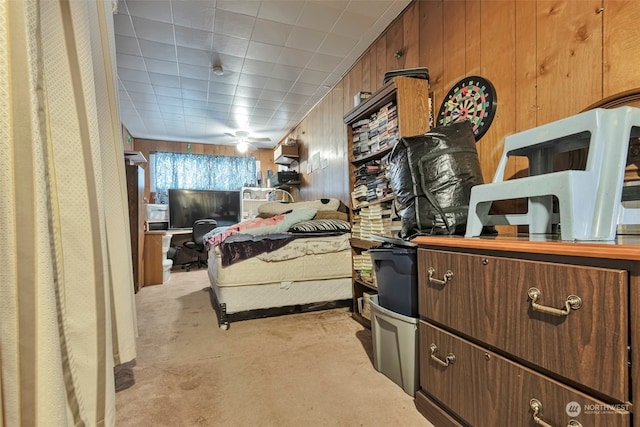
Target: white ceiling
279, 59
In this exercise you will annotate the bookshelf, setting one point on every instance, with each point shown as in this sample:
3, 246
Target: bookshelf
400, 108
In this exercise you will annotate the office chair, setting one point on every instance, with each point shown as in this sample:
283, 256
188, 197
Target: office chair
200, 228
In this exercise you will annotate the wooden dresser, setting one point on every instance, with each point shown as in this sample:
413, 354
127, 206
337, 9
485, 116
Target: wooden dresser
517, 332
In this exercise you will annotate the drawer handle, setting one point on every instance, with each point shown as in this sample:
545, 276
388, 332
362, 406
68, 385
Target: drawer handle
448, 360
447, 276
573, 302
536, 409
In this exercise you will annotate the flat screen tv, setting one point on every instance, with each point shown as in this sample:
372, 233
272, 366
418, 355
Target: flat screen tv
185, 206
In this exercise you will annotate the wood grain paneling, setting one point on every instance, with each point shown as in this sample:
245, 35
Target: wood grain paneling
473, 35
621, 36
454, 41
487, 299
381, 64
411, 36
501, 390
395, 43
569, 57
431, 47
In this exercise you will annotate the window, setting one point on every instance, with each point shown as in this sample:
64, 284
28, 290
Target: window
200, 172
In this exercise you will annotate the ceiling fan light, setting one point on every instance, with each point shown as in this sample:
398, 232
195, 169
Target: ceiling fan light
242, 146
217, 70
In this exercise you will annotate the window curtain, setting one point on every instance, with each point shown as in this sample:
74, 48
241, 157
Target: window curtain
66, 287
203, 172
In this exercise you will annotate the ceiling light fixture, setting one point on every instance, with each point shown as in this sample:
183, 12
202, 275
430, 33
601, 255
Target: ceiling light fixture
242, 146
217, 70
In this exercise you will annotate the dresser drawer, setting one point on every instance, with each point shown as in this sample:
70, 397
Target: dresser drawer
485, 389
487, 298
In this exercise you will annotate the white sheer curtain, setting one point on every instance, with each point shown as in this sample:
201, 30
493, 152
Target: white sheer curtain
66, 292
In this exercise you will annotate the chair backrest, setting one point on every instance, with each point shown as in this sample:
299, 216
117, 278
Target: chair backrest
202, 227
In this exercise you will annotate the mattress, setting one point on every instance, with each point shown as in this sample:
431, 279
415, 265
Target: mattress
303, 259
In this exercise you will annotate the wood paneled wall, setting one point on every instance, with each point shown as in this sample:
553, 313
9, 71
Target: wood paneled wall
148, 146
546, 59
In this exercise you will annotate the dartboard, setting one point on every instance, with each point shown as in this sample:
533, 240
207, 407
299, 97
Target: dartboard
472, 98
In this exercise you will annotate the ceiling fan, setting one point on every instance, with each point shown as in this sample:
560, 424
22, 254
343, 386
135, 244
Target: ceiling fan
243, 140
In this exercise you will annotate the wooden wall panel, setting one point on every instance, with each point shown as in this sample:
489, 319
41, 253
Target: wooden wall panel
365, 79
454, 13
395, 43
569, 40
473, 37
431, 47
411, 36
621, 38
381, 65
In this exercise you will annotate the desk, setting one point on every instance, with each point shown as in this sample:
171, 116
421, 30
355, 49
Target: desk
154, 256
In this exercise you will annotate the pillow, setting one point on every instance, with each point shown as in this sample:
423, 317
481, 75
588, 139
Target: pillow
331, 215
276, 208
321, 226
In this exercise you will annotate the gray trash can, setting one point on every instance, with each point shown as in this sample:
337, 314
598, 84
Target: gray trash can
396, 270
395, 346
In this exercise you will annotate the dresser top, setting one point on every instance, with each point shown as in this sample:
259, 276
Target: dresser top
624, 247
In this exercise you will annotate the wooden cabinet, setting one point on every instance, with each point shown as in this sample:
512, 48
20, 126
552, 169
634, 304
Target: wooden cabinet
400, 108
512, 329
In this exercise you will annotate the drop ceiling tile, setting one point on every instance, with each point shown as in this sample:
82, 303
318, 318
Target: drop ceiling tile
337, 45
198, 104
272, 95
174, 126
313, 76
220, 98
219, 115
147, 29
244, 102
127, 45
197, 57
279, 84
161, 67
138, 87
141, 96
146, 106
193, 94
322, 62
258, 68
169, 101
304, 88
249, 92
305, 39
318, 16
262, 112
244, 7
286, 12
221, 88
284, 115
194, 72
171, 109
289, 107
271, 32
294, 57
127, 74
195, 112
172, 92
220, 108
268, 104
252, 81
228, 62
194, 84
164, 80
263, 51
285, 72
233, 24
353, 25
193, 15
229, 45
149, 9
122, 25
332, 79
155, 50
258, 122
279, 123
130, 61
295, 98
228, 78
191, 37
173, 115
370, 8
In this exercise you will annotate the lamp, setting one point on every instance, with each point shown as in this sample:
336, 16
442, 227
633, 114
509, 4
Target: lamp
242, 146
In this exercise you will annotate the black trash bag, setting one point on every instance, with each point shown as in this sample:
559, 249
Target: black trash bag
431, 176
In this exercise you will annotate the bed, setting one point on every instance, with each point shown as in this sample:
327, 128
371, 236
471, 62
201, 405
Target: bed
302, 265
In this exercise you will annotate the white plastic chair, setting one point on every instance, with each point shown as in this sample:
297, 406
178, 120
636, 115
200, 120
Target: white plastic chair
589, 200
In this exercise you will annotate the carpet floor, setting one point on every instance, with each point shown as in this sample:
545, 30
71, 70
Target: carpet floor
306, 369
